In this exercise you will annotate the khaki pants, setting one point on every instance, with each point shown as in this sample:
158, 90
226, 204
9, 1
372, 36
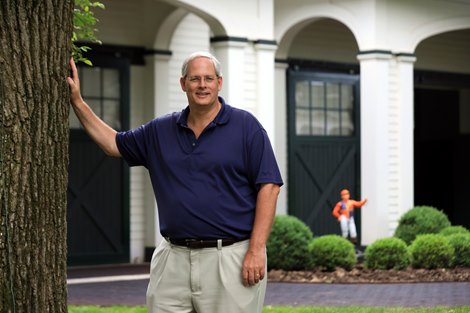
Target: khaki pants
207, 280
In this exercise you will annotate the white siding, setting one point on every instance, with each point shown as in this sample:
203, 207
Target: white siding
137, 214
137, 174
249, 82
191, 35
393, 177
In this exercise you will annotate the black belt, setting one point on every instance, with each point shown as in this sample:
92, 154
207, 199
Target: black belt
199, 244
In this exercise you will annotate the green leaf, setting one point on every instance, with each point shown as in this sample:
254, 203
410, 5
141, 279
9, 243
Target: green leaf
87, 62
84, 21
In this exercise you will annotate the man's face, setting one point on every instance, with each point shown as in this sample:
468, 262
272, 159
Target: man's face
345, 195
201, 84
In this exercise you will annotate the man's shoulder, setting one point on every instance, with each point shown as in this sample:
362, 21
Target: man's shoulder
158, 124
240, 112
172, 116
165, 119
241, 115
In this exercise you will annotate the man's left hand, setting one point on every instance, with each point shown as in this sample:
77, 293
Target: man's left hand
254, 266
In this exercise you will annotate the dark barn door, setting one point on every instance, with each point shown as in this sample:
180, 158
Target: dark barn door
442, 143
323, 146
442, 152
98, 191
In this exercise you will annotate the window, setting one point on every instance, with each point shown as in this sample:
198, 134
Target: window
324, 108
100, 88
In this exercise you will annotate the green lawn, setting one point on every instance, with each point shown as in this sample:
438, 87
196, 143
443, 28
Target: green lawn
110, 309
269, 309
363, 310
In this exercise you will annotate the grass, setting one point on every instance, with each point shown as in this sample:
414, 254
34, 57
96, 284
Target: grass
285, 309
107, 309
363, 310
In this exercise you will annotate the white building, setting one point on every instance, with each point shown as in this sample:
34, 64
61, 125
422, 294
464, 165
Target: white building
370, 95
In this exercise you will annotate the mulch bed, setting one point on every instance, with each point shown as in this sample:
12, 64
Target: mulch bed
359, 274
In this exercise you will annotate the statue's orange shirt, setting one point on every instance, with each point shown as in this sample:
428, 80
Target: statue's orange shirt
350, 206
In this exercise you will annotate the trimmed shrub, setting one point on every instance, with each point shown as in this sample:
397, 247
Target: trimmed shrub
461, 244
332, 251
431, 251
451, 230
287, 246
420, 220
387, 253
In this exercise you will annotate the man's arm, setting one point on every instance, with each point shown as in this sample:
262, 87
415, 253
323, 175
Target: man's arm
99, 131
254, 264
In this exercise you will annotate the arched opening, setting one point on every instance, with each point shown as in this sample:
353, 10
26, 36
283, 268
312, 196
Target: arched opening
442, 124
325, 40
323, 121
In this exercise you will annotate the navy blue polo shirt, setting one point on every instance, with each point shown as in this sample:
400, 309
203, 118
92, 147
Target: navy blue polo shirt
205, 188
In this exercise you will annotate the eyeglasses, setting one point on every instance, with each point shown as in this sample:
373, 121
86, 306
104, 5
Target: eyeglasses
198, 79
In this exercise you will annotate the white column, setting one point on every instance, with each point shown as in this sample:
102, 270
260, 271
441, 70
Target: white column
280, 131
231, 54
157, 95
406, 105
161, 105
265, 51
374, 144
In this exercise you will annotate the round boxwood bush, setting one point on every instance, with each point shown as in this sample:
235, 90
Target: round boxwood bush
287, 246
331, 251
420, 220
451, 230
387, 253
431, 251
461, 244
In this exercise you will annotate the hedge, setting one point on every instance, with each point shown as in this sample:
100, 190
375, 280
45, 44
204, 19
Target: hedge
387, 253
287, 246
331, 251
420, 220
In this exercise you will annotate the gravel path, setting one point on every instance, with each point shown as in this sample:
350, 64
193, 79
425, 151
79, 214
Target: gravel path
110, 290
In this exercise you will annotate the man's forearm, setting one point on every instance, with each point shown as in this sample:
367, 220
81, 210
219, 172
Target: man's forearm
265, 211
254, 267
99, 131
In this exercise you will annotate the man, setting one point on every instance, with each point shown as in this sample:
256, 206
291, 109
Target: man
216, 182
344, 212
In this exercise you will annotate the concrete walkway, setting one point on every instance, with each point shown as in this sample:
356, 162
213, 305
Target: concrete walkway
126, 285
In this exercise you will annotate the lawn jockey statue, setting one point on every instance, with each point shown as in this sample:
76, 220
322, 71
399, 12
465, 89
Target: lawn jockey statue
344, 212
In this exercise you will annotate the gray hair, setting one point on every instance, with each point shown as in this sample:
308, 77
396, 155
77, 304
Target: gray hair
201, 54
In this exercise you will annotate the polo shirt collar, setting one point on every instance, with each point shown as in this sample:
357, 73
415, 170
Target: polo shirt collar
222, 117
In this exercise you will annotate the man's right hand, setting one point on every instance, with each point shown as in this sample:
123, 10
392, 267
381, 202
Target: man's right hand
74, 84
99, 131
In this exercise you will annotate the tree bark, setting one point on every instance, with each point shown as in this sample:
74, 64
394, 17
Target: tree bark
35, 46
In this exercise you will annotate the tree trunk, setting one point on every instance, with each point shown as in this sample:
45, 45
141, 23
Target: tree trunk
35, 46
